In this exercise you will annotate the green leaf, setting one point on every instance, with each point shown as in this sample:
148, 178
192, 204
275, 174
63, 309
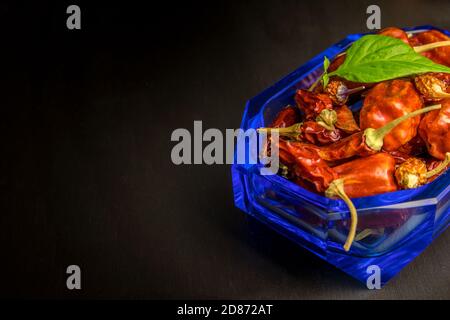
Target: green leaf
325, 76
376, 58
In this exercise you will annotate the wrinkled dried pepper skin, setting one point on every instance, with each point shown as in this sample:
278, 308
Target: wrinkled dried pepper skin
432, 85
311, 103
348, 147
314, 133
439, 55
414, 147
368, 176
308, 165
387, 101
286, 117
399, 156
434, 130
345, 120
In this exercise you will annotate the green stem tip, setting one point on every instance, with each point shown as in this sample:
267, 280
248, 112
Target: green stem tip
327, 119
288, 131
374, 137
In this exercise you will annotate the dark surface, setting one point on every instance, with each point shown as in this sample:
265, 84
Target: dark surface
87, 176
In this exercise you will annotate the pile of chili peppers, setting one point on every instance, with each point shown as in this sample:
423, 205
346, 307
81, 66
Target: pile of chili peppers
399, 140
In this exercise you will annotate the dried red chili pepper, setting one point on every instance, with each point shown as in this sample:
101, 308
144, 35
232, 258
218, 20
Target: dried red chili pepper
395, 33
432, 86
337, 62
345, 120
413, 172
308, 165
368, 176
286, 117
440, 54
315, 133
399, 156
414, 147
312, 104
360, 178
434, 130
339, 91
387, 101
366, 142
309, 131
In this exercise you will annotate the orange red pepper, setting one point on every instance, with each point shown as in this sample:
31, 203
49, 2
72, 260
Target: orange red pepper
434, 130
387, 101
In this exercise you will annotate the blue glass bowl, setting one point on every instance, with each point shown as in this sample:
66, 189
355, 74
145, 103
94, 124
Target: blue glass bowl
405, 222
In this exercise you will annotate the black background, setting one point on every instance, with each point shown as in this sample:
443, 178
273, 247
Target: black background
87, 179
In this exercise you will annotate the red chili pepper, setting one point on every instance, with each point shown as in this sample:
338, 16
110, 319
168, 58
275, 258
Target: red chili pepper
340, 90
434, 130
315, 133
414, 147
368, 176
345, 120
439, 55
312, 104
308, 165
360, 178
395, 33
286, 117
399, 156
336, 63
433, 86
309, 131
387, 101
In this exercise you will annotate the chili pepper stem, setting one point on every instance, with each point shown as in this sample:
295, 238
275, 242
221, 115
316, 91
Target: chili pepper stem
354, 90
374, 137
368, 232
294, 129
440, 167
327, 118
336, 189
431, 46
444, 95
314, 85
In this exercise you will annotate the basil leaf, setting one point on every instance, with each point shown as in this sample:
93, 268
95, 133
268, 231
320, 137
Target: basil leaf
376, 58
325, 76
